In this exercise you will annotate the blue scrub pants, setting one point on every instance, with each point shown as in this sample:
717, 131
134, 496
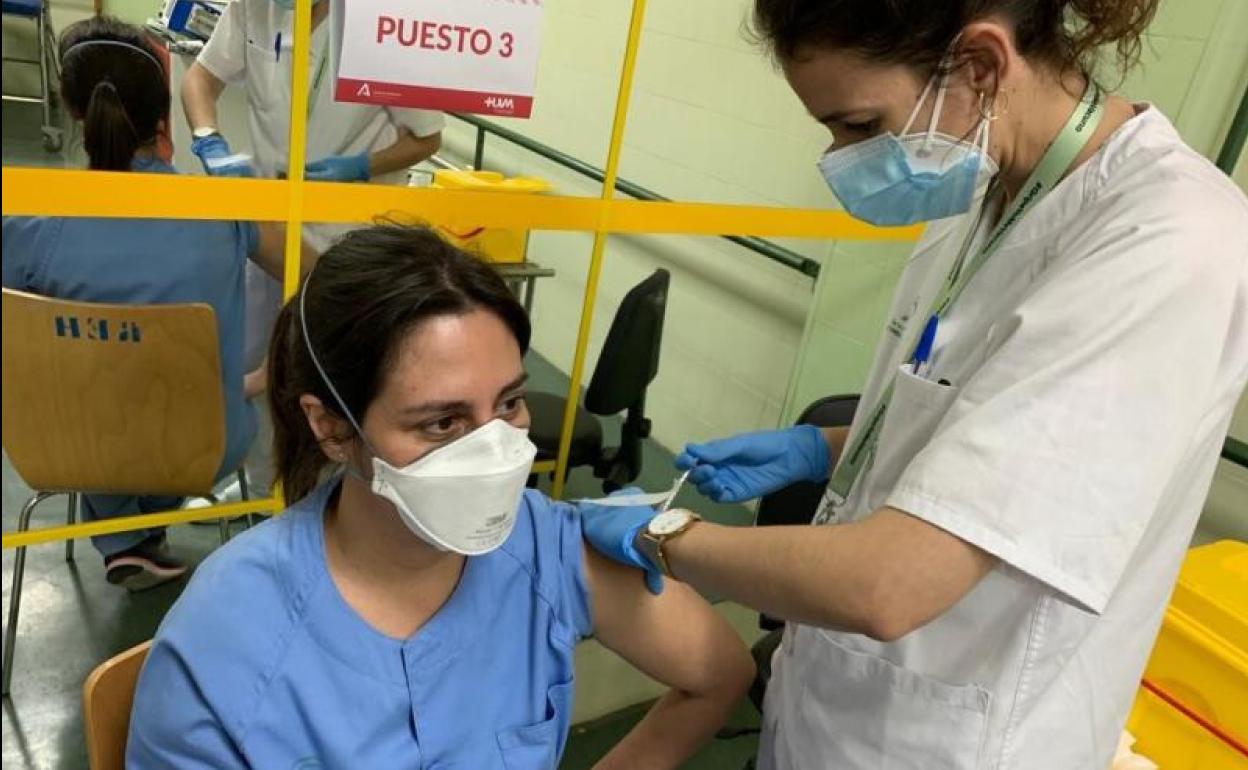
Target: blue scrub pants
99, 507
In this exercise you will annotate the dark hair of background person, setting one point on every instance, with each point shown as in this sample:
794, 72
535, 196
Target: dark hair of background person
120, 94
366, 293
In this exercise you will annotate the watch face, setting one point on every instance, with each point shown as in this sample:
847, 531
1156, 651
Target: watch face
668, 522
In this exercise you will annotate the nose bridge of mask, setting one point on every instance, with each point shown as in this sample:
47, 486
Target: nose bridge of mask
462, 497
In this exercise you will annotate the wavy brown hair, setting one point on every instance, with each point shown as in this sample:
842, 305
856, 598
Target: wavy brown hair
1064, 34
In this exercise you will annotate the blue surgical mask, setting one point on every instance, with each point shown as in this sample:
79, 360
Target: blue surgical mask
900, 180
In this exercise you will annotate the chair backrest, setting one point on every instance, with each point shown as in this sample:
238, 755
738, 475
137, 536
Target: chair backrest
107, 696
796, 503
111, 398
630, 355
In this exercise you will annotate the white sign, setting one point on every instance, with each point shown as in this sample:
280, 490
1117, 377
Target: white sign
460, 55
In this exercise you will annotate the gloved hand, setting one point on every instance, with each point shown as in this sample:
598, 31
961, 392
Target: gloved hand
612, 531
214, 152
338, 168
751, 465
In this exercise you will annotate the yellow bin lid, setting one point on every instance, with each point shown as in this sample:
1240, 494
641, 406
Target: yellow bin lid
453, 179
1213, 590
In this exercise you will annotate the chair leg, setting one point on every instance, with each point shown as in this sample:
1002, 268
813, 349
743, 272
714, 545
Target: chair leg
15, 594
49, 67
45, 82
71, 516
244, 493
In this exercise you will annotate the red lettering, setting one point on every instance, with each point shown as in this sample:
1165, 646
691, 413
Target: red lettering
433, 36
481, 41
412, 27
385, 26
463, 33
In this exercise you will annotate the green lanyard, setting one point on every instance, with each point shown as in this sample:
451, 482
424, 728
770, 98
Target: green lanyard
1053, 166
315, 92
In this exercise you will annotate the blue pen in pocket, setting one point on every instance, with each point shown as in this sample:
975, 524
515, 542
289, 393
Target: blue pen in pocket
920, 366
277, 47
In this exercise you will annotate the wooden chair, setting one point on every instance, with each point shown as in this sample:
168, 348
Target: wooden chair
123, 399
107, 696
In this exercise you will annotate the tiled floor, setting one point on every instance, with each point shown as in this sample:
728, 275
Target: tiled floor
71, 619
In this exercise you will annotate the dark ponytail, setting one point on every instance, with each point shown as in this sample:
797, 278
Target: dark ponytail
1063, 34
367, 291
108, 135
111, 80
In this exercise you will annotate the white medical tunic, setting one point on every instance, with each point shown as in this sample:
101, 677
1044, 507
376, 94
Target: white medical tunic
244, 48
253, 45
1092, 368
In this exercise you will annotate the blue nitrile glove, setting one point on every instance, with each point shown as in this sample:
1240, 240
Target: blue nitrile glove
751, 465
214, 152
338, 168
612, 531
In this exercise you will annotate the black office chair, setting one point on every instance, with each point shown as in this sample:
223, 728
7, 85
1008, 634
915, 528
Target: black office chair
795, 504
627, 365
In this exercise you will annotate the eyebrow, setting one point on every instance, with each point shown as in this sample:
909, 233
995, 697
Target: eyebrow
840, 115
434, 407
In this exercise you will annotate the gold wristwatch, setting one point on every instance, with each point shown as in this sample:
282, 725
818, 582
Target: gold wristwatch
662, 528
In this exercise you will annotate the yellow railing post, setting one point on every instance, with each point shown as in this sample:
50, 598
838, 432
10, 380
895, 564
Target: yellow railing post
600, 241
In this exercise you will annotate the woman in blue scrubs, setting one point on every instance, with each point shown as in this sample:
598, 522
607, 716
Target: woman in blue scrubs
417, 607
114, 84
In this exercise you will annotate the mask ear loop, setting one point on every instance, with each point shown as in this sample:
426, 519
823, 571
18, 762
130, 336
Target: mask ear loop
307, 343
942, 73
914, 113
937, 109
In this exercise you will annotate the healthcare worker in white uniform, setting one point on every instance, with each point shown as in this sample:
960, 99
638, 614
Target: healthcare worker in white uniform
1006, 517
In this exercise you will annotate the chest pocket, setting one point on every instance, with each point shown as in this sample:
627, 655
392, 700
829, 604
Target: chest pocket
537, 746
917, 407
267, 86
860, 710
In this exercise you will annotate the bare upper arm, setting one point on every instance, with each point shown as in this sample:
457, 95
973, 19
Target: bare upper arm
270, 253
675, 637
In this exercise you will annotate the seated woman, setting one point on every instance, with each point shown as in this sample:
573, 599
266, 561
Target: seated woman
111, 81
417, 607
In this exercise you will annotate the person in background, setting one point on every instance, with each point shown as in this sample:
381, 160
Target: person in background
1005, 520
113, 84
253, 46
416, 606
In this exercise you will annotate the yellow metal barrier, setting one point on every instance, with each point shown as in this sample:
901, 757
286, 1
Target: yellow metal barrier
140, 521
49, 192
618, 125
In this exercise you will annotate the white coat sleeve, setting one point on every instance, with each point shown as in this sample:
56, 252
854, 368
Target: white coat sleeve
422, 123
172, 725
1057, 451
224, 55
